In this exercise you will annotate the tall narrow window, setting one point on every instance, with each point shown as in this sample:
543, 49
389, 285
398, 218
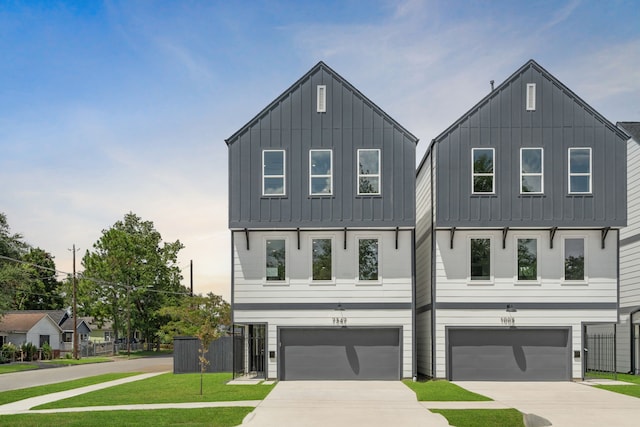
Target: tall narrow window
369, 171
531, 96
483, 171
320, 172
531, 170
579, 170
275, 260
574, 259
368, 259
321, 259
322, 99
273, 173
480, 259
527, 259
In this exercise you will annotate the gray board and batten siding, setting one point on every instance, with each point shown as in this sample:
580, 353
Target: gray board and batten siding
500, 121
292, 123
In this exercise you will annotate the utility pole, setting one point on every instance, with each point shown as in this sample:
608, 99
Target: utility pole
191, 274
75, 307
128, 321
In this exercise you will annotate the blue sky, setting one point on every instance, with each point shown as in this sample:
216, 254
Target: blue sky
117, 106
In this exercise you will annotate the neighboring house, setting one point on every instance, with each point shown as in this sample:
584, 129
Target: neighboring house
100, 331
82, 329
520, 203
322, 220
36, 328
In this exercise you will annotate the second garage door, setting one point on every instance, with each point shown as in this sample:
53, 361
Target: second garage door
509, 354
339, 354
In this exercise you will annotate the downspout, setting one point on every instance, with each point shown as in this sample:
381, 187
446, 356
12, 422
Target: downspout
414, 318
433, 265
635, 369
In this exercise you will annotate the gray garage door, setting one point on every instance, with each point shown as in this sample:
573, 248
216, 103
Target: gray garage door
509, 355
339, 354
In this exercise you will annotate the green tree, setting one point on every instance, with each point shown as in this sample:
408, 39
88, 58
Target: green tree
40, 290
204, 317
129, 275
12, 276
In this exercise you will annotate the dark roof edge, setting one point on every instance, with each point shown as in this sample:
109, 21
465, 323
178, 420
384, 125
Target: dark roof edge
513, 76
315, 68
632, 129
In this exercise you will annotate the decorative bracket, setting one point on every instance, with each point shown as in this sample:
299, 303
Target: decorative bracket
552, 234
452, 233
246, 233
345, 238
605, 231
397, 231
298, 231
504, 237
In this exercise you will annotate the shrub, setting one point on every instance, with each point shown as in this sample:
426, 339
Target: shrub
30, 351
47, 352
9, 351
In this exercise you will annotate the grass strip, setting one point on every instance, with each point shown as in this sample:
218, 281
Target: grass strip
7, 369
441, 390
25, 393
482, 417
214, 417
630, 390
167, 388
83, 361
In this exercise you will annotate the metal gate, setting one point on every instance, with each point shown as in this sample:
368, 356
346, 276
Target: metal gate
600, 355
238, 351
249, 350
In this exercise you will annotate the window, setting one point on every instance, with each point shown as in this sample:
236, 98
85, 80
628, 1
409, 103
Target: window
579, 170
574, 259
67, 336
320, 172
368, 259
273, 174
483, 159
275, 260
321, 260
3, 340
480, 259
368, 171
321, 99
44, 339
527, 259
531, 96
107, 335
531, 170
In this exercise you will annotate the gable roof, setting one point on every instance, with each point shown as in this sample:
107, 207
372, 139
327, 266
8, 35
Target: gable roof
320, 66
529, 64
632, 128
67, 325
21, 322
58, 316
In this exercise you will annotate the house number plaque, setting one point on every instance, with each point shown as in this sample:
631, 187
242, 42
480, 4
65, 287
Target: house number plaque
339, 320
508, 320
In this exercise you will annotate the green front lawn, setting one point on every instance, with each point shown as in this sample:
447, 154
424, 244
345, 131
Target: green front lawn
633, 389
168, 388
14, 367
25, 393
482, 417
214, 417
441, 390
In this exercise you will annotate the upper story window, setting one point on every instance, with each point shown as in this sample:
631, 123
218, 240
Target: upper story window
368, 260
321, 259
531, 170
579, 170
531, 96
483, 170
321, 99
369, 171
320, 172
273, 173
574, 259
527, 259
480, 259
275, 265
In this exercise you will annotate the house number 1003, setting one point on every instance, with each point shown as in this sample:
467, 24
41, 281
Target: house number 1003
339, 320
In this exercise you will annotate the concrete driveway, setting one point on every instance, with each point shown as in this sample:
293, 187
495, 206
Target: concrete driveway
564, 404
342, 403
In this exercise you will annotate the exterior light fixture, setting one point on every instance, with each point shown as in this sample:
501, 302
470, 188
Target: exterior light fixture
511, 308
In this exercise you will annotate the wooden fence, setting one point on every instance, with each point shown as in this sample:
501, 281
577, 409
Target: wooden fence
186, 352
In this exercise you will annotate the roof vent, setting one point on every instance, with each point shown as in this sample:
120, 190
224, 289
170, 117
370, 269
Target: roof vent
491, 83
531, 96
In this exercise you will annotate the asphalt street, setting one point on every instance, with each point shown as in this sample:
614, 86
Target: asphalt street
37, 377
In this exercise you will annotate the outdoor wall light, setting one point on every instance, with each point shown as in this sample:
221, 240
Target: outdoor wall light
511, 308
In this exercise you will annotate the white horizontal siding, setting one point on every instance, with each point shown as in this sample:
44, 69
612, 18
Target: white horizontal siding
633, 193
522, 318
324, 318
452, 266
630, 275
423, 343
